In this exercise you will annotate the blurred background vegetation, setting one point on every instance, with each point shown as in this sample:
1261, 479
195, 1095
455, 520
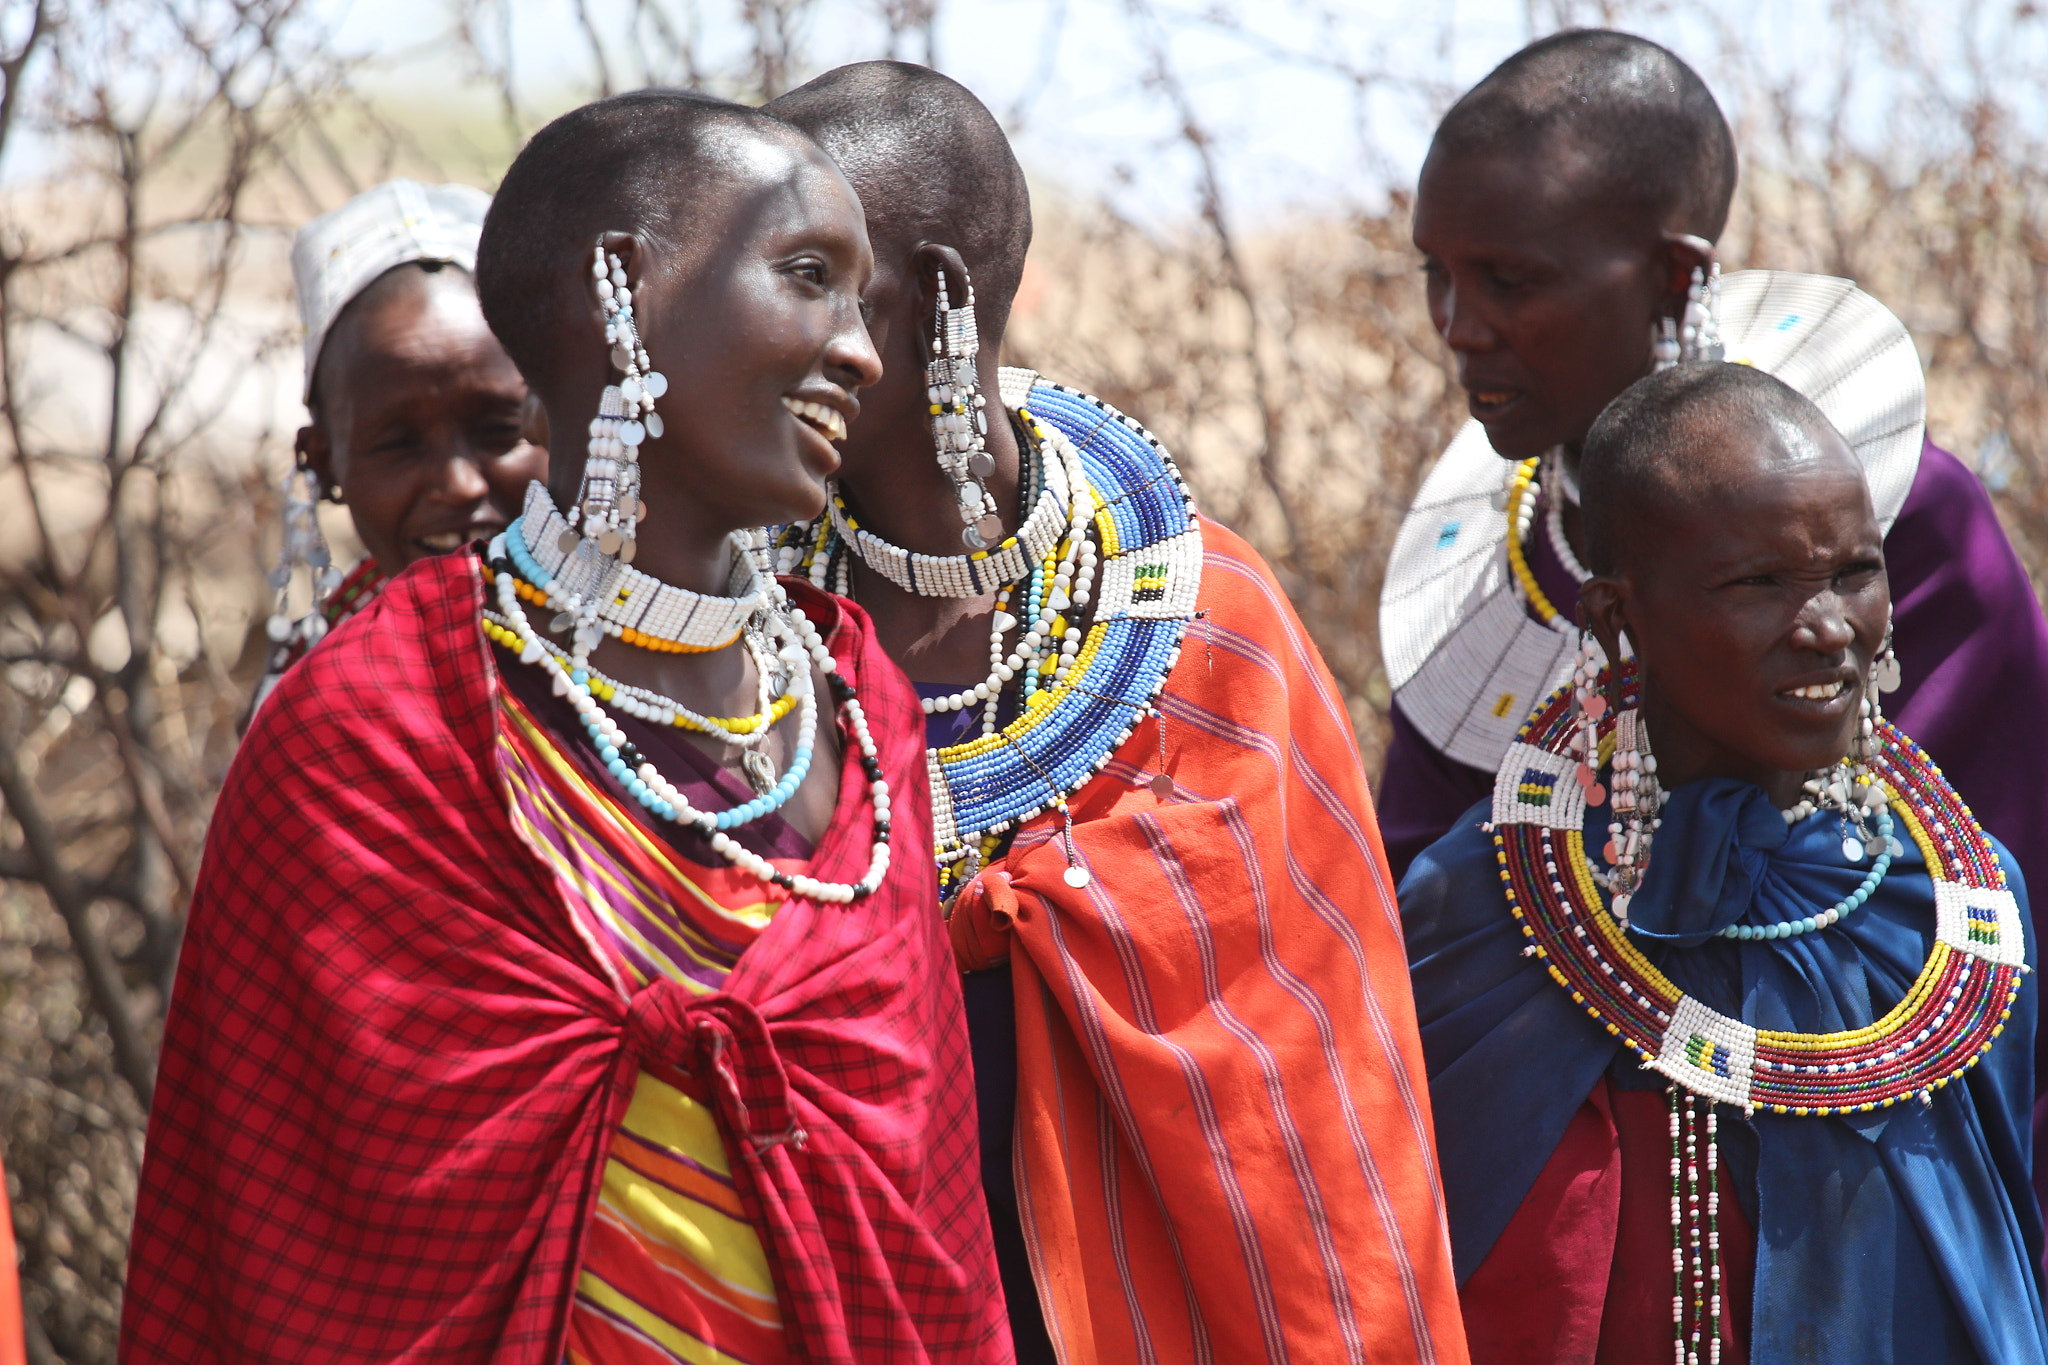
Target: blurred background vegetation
1222, 250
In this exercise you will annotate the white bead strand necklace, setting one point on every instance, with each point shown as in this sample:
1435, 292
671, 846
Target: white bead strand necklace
660, 797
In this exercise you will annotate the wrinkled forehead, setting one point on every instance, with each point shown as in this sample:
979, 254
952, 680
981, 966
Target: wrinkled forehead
1734, 484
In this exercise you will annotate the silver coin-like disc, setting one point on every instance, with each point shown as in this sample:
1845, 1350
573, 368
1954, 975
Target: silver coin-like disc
567, 542
981, 464
608, 542
1162, 786
1077, 877
973, 539
656, 384
628, 550
991, 529
1852, 848
622, 359
655, 426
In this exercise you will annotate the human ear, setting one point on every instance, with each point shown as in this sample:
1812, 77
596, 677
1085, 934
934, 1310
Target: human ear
316, 452
1603, 609
1679, 254
932, 260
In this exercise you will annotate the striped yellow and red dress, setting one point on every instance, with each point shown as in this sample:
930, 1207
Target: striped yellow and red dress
673, 1269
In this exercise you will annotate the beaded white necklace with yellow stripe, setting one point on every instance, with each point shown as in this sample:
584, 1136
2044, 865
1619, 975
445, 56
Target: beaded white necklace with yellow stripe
1079, 706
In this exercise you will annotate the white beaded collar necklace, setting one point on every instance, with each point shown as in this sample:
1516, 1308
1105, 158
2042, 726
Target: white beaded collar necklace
983, 571
628, 600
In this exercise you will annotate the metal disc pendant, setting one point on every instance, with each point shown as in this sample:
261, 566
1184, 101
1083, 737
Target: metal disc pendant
563, 621
1077, 876
1874, 845
981, 464
1596, 795
622, 359
1162, 786
991, 529
567, 542
655, 426
1852, 848
608, 542
973, 539
1888, 674
628, 550
760, 771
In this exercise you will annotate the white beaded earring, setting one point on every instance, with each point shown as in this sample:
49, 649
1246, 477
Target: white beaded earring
608, 504
302, 546
1700, 334
959, 414
1637, 802
1664, 344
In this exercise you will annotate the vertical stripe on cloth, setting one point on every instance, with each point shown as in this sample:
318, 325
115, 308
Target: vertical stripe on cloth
673, 1271
1224, 1137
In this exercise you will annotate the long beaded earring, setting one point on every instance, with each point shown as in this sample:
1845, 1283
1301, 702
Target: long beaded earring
608, 505
1589, 704
1664, 348
1637, 803
959, 414
1700, 334
302, 546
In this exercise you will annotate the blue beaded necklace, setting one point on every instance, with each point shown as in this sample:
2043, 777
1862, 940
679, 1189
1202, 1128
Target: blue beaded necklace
1836, 913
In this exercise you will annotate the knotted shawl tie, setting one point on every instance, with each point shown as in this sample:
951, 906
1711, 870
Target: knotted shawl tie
724, 1041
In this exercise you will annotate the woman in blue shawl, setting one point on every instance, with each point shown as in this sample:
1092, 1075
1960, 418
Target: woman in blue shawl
1734, 547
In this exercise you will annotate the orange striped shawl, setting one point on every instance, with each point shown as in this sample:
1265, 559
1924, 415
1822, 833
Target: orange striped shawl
1223, 1132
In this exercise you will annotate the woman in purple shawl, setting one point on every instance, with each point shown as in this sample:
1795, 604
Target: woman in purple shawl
1564, 213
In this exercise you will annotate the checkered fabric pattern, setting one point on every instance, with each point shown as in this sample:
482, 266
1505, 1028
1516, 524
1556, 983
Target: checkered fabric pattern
392, 1066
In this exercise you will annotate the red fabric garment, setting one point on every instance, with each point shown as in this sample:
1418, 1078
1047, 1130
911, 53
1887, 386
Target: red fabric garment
1581, 1275
393, 1065
13, 1348
1223, 1131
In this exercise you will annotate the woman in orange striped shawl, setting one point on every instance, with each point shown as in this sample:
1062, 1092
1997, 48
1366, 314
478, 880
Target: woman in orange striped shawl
1185, 976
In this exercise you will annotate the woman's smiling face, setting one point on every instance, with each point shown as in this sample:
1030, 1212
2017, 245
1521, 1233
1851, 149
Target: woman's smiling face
1755, 597
758, 327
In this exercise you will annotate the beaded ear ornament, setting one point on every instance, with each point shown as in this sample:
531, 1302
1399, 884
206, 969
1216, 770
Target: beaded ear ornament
1945, 1022
608, 506
303, 546
960, 414
1698, 336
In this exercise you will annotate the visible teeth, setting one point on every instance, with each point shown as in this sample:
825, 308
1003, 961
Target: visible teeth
1819, 691
443, 541
828, 420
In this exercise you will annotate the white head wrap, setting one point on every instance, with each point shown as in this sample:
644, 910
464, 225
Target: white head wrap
338, 255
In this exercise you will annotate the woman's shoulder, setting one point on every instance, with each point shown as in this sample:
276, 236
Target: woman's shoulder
406, 674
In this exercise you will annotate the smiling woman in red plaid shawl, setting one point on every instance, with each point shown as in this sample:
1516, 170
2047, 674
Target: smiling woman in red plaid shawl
550, 992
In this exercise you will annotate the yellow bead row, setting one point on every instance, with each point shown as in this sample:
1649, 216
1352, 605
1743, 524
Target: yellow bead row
1525, 473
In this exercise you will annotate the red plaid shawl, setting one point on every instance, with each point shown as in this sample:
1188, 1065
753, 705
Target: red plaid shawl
392, 1066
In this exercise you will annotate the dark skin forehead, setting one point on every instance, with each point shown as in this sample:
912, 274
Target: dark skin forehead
1716, 513
419, 325
1548, 193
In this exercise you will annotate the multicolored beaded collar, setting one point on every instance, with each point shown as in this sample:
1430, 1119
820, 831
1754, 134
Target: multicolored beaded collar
1150, 548
1947, 1020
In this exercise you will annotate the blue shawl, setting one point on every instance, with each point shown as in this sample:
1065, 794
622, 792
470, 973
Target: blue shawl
1909, 1234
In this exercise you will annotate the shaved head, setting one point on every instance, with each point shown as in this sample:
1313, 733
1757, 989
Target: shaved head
930, 163
1664, 446
1641, 124
639, 163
